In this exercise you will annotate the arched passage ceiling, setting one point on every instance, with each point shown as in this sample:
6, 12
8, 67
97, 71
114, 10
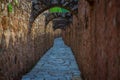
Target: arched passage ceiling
60, 23
39, 6
67, 17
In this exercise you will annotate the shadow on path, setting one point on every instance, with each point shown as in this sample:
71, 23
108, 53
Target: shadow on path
58, 63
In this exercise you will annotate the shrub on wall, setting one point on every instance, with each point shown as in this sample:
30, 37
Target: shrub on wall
10, 7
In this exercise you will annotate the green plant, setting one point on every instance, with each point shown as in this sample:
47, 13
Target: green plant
10, 7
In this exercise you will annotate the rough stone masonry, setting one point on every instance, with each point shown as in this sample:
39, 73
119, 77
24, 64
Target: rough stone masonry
95, 39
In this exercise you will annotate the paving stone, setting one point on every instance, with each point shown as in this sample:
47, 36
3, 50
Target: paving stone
58, 63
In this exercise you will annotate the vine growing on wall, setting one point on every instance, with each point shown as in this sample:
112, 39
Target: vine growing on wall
10, 7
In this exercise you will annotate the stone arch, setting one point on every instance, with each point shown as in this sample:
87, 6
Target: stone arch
60, 23
39, 6
51, 16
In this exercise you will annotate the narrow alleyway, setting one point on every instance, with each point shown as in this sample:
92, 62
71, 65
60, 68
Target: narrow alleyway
57, 64
89, 46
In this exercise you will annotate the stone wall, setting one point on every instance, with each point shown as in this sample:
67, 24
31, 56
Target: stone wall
18, 50
94, 37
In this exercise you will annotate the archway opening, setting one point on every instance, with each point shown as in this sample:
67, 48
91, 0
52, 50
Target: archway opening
40, 6
58, 26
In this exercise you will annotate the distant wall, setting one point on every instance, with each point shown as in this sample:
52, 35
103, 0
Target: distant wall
94, 38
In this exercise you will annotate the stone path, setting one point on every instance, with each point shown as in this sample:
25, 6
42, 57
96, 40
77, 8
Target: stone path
57, 64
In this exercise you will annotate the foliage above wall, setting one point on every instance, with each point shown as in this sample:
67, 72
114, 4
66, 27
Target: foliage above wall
58, 9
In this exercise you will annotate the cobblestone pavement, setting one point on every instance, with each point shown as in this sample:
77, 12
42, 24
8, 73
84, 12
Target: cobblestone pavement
57, 64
